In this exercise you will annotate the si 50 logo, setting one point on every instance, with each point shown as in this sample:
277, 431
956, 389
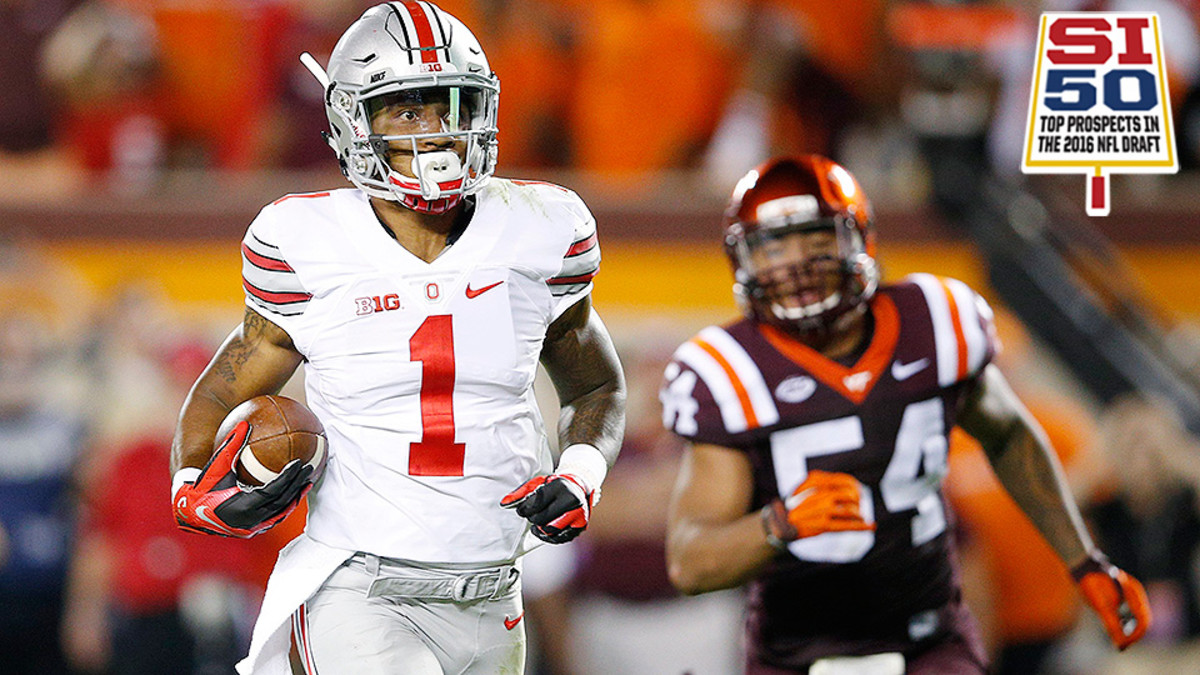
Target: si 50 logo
1099, 102
1086, 41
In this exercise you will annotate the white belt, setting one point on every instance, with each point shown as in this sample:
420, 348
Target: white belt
398, 579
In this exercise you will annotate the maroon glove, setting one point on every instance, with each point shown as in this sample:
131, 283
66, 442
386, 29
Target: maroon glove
215, 504
558, 506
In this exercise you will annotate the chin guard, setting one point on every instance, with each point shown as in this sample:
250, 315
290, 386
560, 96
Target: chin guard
432, 168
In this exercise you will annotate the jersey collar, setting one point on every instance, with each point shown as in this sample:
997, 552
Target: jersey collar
853, 382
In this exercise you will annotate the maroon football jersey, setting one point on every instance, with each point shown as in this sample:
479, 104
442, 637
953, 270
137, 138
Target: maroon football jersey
884, 420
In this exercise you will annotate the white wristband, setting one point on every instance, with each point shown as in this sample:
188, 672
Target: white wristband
586, 463
187, 474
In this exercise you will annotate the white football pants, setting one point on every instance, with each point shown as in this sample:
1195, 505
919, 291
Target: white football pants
378, 616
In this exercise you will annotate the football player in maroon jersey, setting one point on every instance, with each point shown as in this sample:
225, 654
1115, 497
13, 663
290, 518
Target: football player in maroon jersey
818, 430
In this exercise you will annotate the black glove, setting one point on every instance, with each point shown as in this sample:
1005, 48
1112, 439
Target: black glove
557, 505
215, 504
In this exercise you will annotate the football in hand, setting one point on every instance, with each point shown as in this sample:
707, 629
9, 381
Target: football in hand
281, 429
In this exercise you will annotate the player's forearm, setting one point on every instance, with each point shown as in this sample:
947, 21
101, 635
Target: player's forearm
197, 427
596, 419
257, 358
1030, 472
703, 557
582, 362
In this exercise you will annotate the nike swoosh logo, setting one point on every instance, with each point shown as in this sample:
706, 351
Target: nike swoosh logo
475, 293
202, 512
512, 623
903, 371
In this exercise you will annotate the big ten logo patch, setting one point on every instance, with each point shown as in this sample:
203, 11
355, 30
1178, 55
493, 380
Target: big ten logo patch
377, 303
1099, 103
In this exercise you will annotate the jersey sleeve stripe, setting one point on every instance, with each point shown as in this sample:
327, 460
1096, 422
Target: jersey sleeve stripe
578, 279
582, 246
956, 323
562, 291
262, 243
972, 325
747, 372
943, 331
275, 298
739, 389
717, 379
265, 262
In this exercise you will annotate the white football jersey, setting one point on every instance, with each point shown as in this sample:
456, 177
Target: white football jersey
422, 373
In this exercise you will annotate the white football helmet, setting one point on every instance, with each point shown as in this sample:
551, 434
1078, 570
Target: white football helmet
413, 50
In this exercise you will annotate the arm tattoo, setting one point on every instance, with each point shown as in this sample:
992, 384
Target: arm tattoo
583, 365
239, 350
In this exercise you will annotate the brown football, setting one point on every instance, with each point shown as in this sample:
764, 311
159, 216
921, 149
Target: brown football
281, 429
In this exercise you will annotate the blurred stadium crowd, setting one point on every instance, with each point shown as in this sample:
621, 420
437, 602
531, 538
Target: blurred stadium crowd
167, 113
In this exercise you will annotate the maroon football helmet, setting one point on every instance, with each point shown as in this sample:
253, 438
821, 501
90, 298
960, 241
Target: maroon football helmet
790, 195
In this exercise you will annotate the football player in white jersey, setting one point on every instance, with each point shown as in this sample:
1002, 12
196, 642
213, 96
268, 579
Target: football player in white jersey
419, 304
818, 427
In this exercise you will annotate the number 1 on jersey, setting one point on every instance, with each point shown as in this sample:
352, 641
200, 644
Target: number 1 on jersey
436, 454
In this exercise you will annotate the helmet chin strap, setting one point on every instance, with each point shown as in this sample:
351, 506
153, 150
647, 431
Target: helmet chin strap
432, 168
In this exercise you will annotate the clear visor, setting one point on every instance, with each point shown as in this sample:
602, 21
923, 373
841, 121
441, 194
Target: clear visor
428, 110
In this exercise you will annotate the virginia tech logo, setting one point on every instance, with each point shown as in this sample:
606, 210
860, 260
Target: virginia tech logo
1099, 103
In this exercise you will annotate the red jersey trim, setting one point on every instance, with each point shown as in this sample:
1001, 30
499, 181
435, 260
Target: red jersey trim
580, 279
582, 246
263, 262
306, 195
275, 298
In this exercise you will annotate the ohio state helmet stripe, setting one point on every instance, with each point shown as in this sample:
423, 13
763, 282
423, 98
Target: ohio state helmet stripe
443, 34
420, 24
718, 381
759, 395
